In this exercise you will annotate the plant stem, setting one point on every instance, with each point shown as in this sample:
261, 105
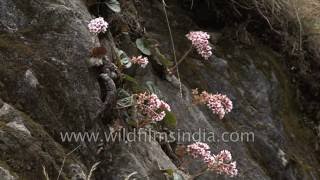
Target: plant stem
98, 8
182, 58
172, 44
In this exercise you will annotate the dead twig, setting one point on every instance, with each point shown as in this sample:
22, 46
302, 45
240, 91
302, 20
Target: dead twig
173, 46
64, 159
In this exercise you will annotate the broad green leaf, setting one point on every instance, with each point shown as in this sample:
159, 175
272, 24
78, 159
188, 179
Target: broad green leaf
125, 102
143, 46
124, 59
114, 5
170, 120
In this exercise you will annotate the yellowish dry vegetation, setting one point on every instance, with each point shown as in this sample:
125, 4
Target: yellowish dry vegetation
296, 18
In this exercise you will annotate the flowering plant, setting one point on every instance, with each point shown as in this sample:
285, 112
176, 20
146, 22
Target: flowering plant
220, 163
142, 61
98, 25
200, 40
219, 104
151, 106
198, 150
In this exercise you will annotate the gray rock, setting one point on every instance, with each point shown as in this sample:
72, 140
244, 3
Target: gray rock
44, 76
31, 79
262, 97
282, 156
76, 172
95, 61
5, 174
19, 126
5, 109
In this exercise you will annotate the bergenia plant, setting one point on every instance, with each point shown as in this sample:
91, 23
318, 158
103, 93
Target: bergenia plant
98, 25
221, 163
142, 61
151, 106
199, 150
218, 103
200, 42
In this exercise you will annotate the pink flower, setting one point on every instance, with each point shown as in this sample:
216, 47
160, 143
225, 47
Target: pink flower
229, 169
220, 163
151, 106
224, 156
218, 103
199, 150
98, 25
142, 61
159, 116
200, 41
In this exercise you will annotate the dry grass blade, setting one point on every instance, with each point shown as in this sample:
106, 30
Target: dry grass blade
64, 159
294, 20
45, 173
130, 175
93, 168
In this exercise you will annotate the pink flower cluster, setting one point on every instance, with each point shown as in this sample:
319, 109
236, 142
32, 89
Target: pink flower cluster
219, 104
151, 106
98, 25
142, 61
199, 150
200, 41
220, 163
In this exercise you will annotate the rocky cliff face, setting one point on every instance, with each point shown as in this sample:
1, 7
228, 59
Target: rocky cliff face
46, 87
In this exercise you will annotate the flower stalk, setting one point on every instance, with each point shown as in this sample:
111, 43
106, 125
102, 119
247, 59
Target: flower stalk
182, 59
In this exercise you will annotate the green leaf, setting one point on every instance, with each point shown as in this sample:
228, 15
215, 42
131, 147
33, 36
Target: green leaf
168, 171
125, 102
143, 46
130, 79
162, 58
122, 93
170, 120
114, 5
124, 59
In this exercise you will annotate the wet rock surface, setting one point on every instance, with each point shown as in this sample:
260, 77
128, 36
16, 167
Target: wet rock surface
46, 88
